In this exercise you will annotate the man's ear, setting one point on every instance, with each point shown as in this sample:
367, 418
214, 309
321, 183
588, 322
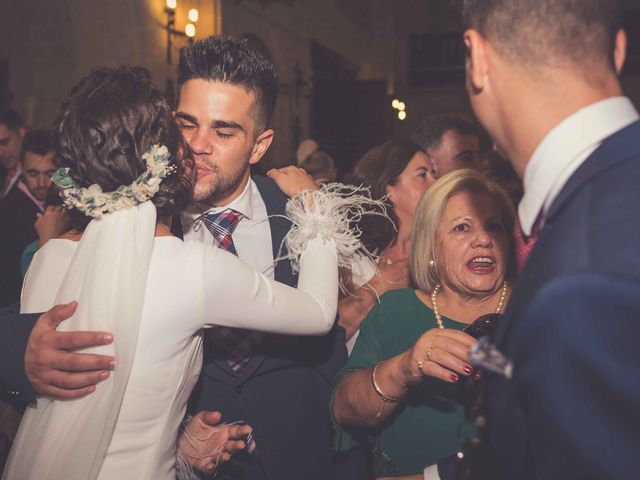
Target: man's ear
620, 50
261, 145
22, 132
476, 62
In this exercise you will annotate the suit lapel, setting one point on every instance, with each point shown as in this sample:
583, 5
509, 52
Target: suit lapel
611, 152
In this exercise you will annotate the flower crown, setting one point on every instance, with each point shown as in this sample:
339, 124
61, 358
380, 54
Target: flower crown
92, 201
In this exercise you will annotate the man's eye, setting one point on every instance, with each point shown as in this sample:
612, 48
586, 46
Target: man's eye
183, 126
224, 135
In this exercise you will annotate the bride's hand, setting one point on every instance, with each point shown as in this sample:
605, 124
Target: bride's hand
206, 443
292, 180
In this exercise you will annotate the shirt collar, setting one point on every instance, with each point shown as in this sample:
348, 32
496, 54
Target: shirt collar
243, 204
564, 149
11, 178
22, 186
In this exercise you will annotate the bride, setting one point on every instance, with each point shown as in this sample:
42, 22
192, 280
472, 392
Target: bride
126, 167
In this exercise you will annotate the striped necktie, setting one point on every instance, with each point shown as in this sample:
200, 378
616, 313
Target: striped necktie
235, 344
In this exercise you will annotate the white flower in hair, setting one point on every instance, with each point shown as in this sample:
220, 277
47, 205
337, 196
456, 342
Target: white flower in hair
92, 201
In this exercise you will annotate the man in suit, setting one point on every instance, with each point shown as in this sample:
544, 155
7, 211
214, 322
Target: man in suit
12, 132
542, 78
20, 208
278, 385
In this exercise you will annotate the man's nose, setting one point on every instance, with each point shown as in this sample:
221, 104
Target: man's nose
43, 180
200, 142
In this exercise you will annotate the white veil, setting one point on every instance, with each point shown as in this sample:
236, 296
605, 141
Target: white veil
108, 277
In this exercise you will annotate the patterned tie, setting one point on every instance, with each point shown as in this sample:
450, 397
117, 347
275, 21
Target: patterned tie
524, 245
235, 344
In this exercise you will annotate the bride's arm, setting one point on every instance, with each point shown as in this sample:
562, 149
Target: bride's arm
237, 296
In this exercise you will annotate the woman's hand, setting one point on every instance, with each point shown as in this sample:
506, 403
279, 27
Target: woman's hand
52, 223
206, 443
438, 353
292, 180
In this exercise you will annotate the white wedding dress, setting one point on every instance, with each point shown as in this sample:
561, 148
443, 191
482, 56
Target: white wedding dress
189, 285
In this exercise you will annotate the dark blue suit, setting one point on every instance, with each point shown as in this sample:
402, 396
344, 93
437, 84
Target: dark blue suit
283, 392
14, 333
572, 329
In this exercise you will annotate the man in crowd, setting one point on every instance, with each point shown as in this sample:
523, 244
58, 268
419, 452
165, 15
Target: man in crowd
542, 78
450, 142
278, 385
11, 134
20, 207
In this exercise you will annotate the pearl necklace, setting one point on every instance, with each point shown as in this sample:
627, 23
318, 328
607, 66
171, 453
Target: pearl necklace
434, 294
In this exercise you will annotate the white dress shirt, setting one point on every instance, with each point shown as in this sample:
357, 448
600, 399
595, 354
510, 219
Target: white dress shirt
252, 236
564, 149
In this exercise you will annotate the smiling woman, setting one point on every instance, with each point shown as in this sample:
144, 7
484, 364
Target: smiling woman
460, 261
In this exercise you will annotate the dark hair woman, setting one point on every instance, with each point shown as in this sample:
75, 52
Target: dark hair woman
400, 171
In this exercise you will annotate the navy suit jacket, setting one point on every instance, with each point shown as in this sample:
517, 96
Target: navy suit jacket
283, 392
572, 330
14, 333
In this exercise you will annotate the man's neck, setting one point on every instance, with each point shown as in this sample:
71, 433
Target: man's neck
546, 109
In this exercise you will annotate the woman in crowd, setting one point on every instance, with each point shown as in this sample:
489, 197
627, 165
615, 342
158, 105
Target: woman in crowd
460, 263
124, 168
399, 170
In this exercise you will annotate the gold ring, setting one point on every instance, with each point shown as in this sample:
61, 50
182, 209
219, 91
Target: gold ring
420, 365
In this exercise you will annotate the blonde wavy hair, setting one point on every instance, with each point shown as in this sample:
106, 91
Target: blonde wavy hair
429, 213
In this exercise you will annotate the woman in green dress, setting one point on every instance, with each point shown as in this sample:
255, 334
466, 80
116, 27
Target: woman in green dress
400, 389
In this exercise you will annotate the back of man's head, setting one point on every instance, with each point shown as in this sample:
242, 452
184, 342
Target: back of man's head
11, 119
320, 166
429, 132
555, 33
230, 60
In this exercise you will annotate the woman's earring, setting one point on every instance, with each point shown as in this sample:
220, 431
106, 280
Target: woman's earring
432, 263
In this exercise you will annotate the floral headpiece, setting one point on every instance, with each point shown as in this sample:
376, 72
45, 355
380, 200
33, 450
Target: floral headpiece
92, 201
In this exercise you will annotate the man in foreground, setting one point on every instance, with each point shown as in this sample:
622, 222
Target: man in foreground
542, 78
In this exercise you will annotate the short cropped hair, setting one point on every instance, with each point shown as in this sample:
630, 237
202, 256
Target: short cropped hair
429, 132
11, 118
109, 120
40, 142
230, 60
318, 162
543, 31
427, 218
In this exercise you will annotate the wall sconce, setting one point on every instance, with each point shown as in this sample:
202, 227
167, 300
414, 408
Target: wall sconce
189, 30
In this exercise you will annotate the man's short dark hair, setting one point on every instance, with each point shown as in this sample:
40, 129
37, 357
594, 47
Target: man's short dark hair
39, 142
429, 132
11, 118
545, 32
230, 60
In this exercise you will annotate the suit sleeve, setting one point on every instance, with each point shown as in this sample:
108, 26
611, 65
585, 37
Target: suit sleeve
577, 374
14, 333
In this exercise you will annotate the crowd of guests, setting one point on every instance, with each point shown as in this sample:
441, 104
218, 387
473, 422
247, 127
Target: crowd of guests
395, 387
